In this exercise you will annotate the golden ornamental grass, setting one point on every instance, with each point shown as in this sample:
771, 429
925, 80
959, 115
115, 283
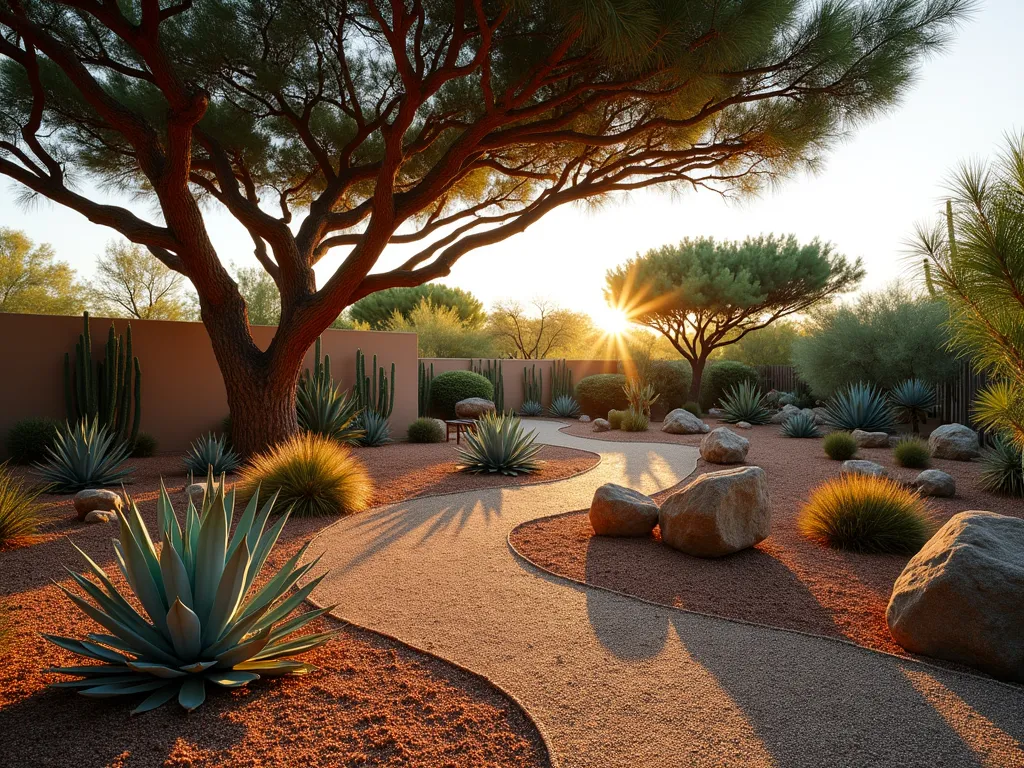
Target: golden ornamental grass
863, 513
19, 513
312, 475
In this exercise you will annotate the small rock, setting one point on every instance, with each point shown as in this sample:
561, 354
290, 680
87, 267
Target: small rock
584, 418
716, 413
744, 425
718, 513
870, 439
101, 516
619, 511
960, 597
681, 422
954, 441
935, 482
601, 425
96, 499
862, 467
820, 415
196, 491
723, 446
473, 408
780, 417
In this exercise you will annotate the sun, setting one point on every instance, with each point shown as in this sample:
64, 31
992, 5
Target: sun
612, 320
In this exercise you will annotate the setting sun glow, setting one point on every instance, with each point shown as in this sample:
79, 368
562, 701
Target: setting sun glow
612, 320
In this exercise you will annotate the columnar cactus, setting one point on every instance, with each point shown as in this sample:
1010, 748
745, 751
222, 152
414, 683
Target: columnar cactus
376, 391
426, 380
493, 373
533, 384
561, 380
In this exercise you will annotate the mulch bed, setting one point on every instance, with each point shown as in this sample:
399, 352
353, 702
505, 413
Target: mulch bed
372, 702
785, 581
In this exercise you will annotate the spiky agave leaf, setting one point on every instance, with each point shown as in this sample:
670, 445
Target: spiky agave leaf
531, 408
202, 621
912, 399
323, 409
1002, 467
565, 406
211, 453
498, 443
376, 430
800, 425
859, 406
745, 402
85, 455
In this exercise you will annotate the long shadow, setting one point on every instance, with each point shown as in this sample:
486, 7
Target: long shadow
811, 711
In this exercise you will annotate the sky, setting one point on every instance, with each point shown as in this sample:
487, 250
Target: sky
865, 200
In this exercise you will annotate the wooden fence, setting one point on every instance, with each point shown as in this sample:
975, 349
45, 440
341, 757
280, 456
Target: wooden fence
779, 377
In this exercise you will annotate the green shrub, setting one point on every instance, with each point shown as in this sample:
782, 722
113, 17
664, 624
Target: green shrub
375, 428
211, 451
208, 617
840, 446
601, 392
800, 425
866, 514
19, 513
744, 402
450, 387
426, 431
859, 406
635, 421
84, 456
145, 446
498, 443
671, 380
28, 440
1002, 467
693, 408
615, 418
313, 475
912, 452
565, 407
722, 376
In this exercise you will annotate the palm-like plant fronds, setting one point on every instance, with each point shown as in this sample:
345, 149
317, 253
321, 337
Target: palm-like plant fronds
565, 406
211, 453
859, 406
745, 402
911, 400
84, 456
800, 425
325, 410
19, 513
498, 443
203, 621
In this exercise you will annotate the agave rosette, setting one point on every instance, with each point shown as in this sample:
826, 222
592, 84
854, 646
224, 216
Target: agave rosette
745, 402
85, 455
531, 408
800, 425
203, 620
565, 406
860, 406
498, 443
211, 453
322, 408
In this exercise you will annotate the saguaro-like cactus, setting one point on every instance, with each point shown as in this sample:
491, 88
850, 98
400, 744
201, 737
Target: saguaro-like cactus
376, 391
321, 372
110, 393
533, 384
561, 380
426, 380
493, 373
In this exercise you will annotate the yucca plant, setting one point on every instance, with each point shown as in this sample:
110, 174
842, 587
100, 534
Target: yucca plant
911, 400
498, 443
640, 396
203, 621
565, 406
375, 428
324, 410
312, 476
1002, 467
635, 421
531, 408
800, 425
744, 402
859, 406
211, 453
85, 455
19, 513
912, 452
864, 513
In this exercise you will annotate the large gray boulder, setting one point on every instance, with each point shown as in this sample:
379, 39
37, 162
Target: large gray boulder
783, 415
954, 441
870, 439
619, 511
935, 482
862, 467
681, 422
96, 500
723, 446
473, 408
960, 598
718, 513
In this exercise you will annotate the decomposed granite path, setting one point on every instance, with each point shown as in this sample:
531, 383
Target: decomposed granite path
613, 681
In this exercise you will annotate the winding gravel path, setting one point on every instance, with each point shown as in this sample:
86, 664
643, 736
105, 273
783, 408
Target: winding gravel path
613, 681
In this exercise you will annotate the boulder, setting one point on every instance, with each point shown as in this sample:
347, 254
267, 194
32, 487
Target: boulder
954, 441
862, 467
473, 408
935, 482
682, 422
870, 439
960, 597
585, 419
619, 511
780, 417
101, 516
716, 413
96, 499
744, 425
601, 425
820, 415
195, 492
723, 446
718, 513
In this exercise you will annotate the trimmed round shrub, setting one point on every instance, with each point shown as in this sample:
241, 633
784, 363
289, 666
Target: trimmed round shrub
671, 380
615, 418
840, 446
144, 446
313, 475
693, 408
426, 431
721, 377
863, 513
601, 392
912, 452
28, 440
450, 387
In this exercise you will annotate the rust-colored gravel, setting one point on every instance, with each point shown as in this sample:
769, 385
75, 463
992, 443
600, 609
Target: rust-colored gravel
786, 581
373, 702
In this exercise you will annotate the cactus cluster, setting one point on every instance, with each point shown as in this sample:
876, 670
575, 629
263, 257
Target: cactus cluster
109, 392
493, 373
561, 380
322, 407
426, 380
374, 391
533, 385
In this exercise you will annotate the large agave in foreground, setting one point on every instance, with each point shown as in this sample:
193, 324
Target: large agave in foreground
203, 626
84, 456
498, 443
